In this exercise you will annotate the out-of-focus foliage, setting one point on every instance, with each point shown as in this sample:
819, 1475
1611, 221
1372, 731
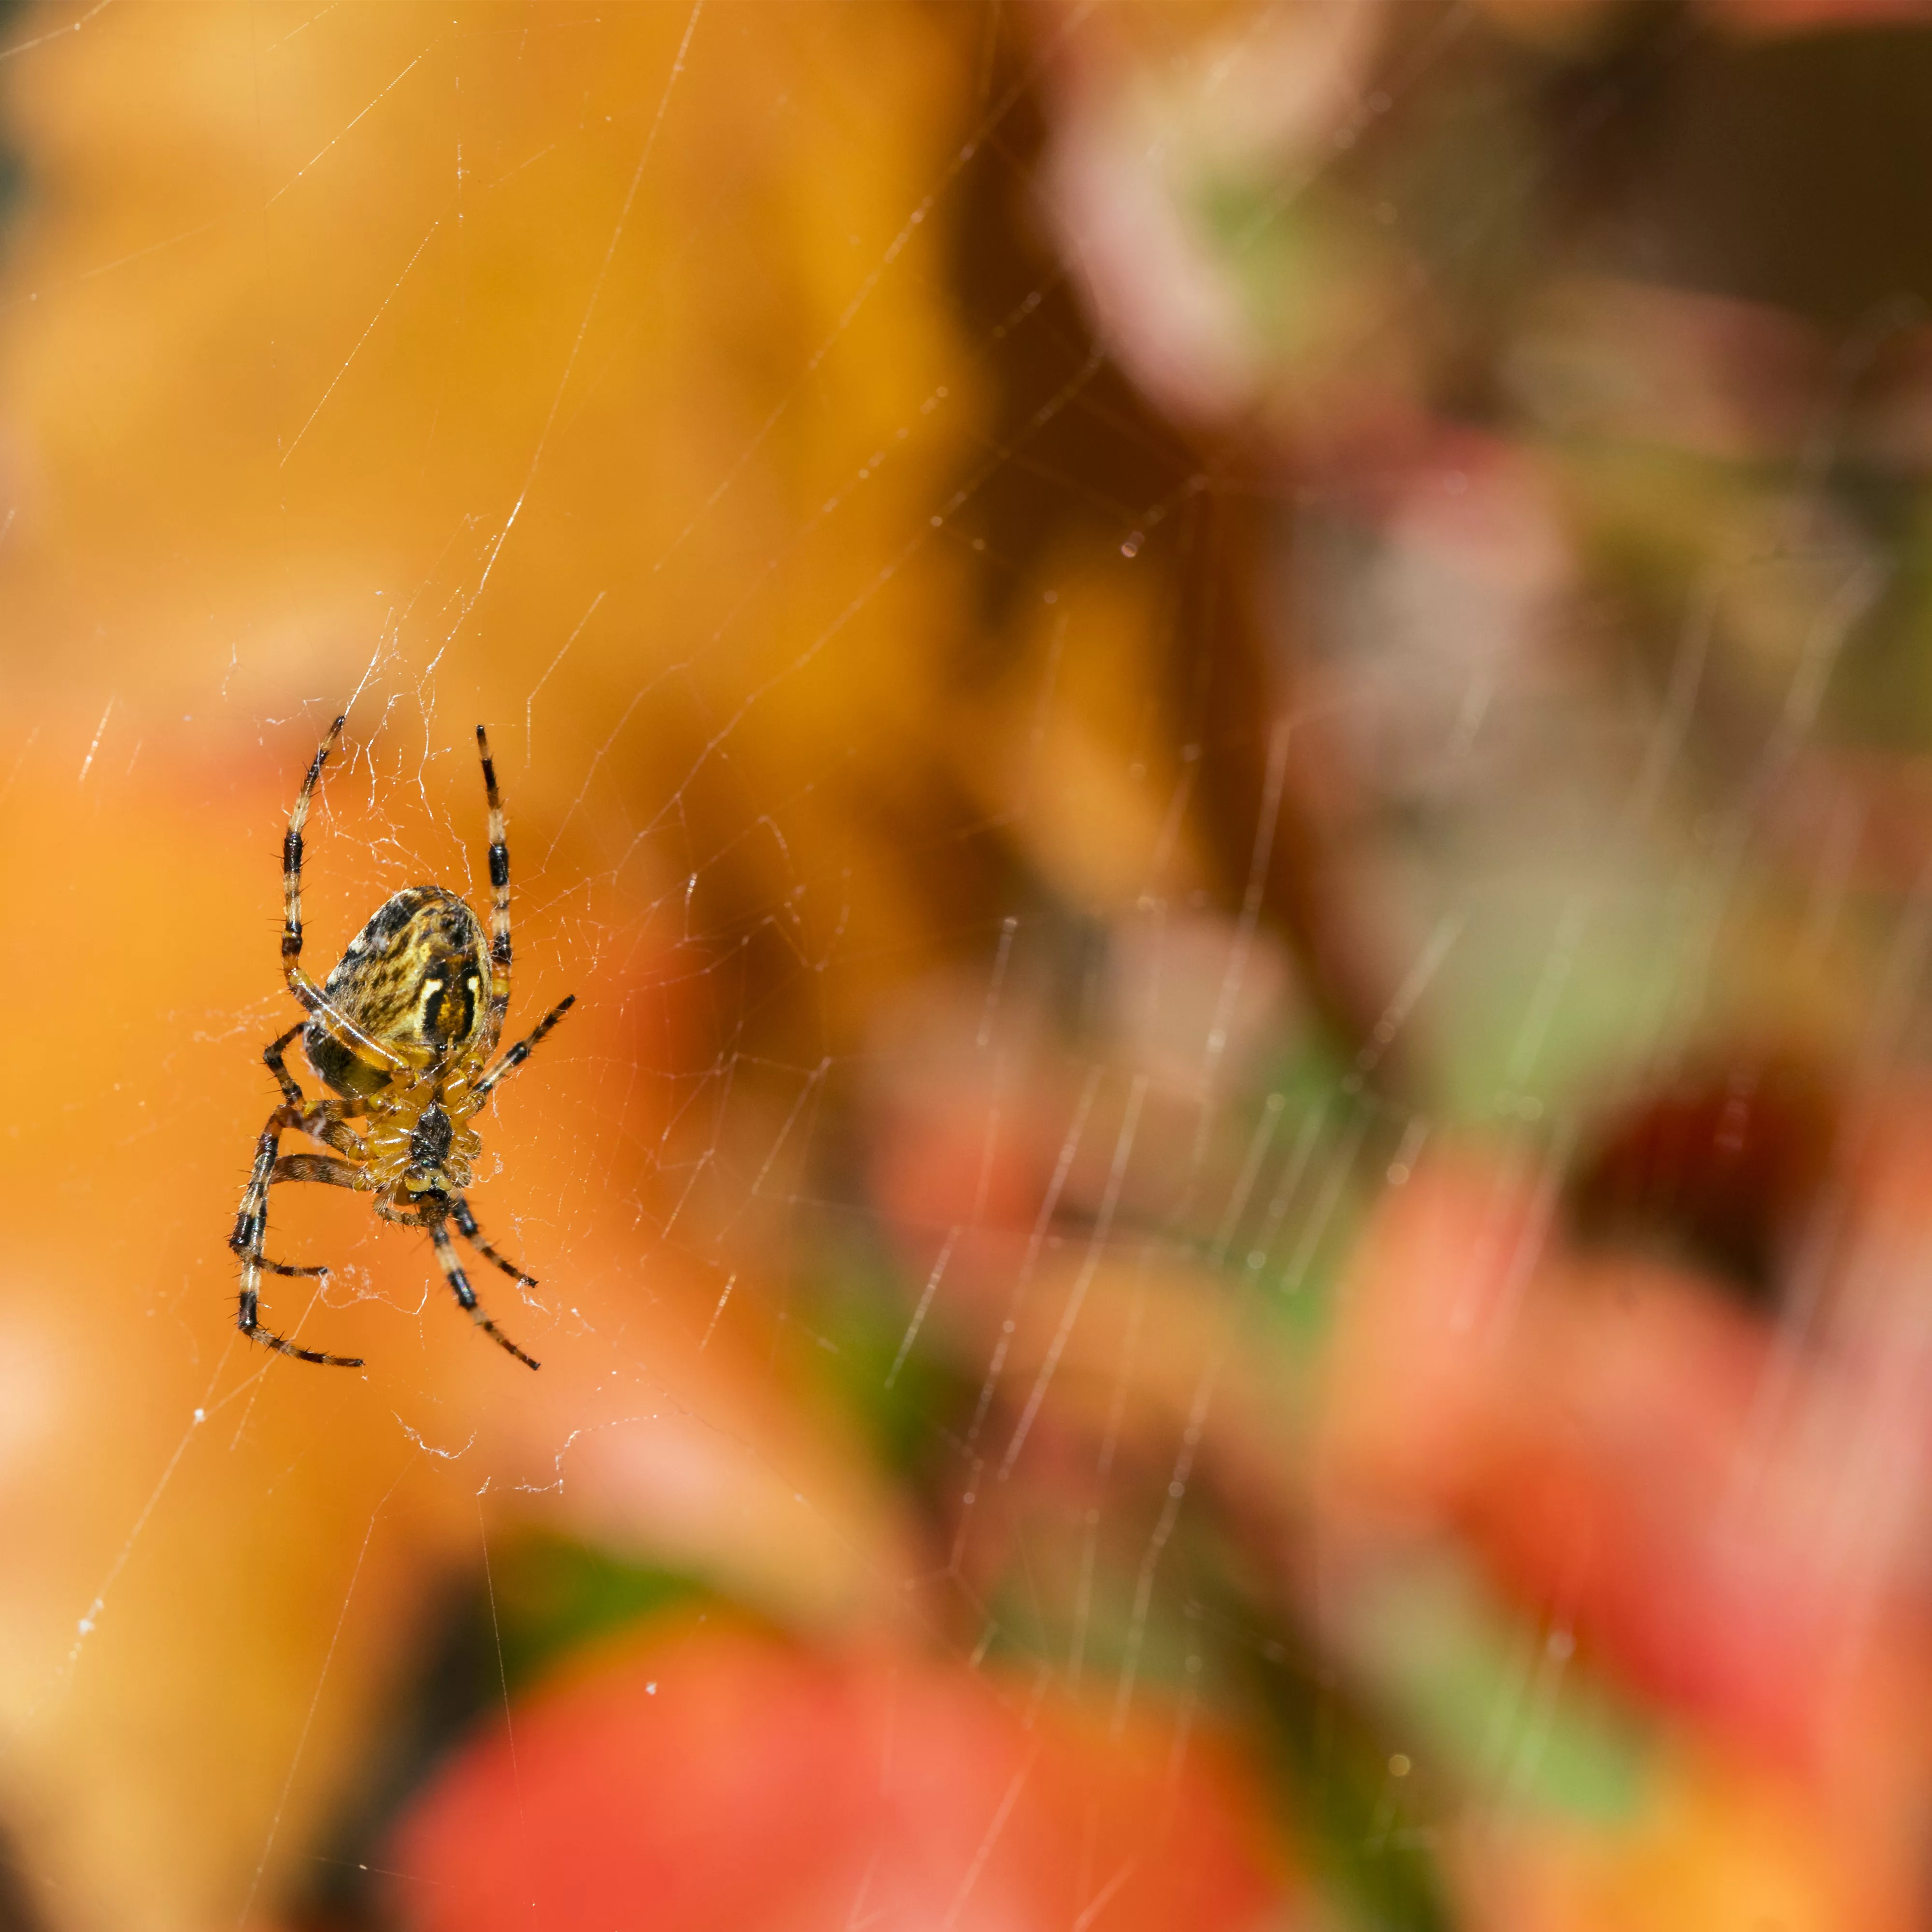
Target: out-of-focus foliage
712, 1778
1223, 710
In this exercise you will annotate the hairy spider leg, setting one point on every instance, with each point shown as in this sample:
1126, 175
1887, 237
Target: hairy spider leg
459, 1282
251, 1225
321, 1167
300, 984
466, 1226
325, 1121
304, 988
272, 1054
499, 898
523, 1048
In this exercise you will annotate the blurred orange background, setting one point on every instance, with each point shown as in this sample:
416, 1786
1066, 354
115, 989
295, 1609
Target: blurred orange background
1222, 710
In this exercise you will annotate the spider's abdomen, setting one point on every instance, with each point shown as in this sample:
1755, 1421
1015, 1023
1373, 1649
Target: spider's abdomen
415, 983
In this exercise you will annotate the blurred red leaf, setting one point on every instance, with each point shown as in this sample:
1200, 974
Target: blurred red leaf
718, 1778
1599, 1432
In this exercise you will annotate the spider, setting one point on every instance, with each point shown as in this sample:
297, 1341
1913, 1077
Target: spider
401, 1034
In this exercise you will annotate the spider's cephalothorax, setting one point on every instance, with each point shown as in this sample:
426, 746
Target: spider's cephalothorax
401, 1033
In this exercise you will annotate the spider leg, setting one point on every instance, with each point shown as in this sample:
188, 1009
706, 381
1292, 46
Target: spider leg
255, 1332
300, 984
322, 1121
320, 1167
251, 1225
524, 1047
499, 938
272, 1054
499, 896
312, 999
252, 1219
466, 1226
308, 1167
452, 1269
325, 1123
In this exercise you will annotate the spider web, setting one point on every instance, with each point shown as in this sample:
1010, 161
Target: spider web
959, 1088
